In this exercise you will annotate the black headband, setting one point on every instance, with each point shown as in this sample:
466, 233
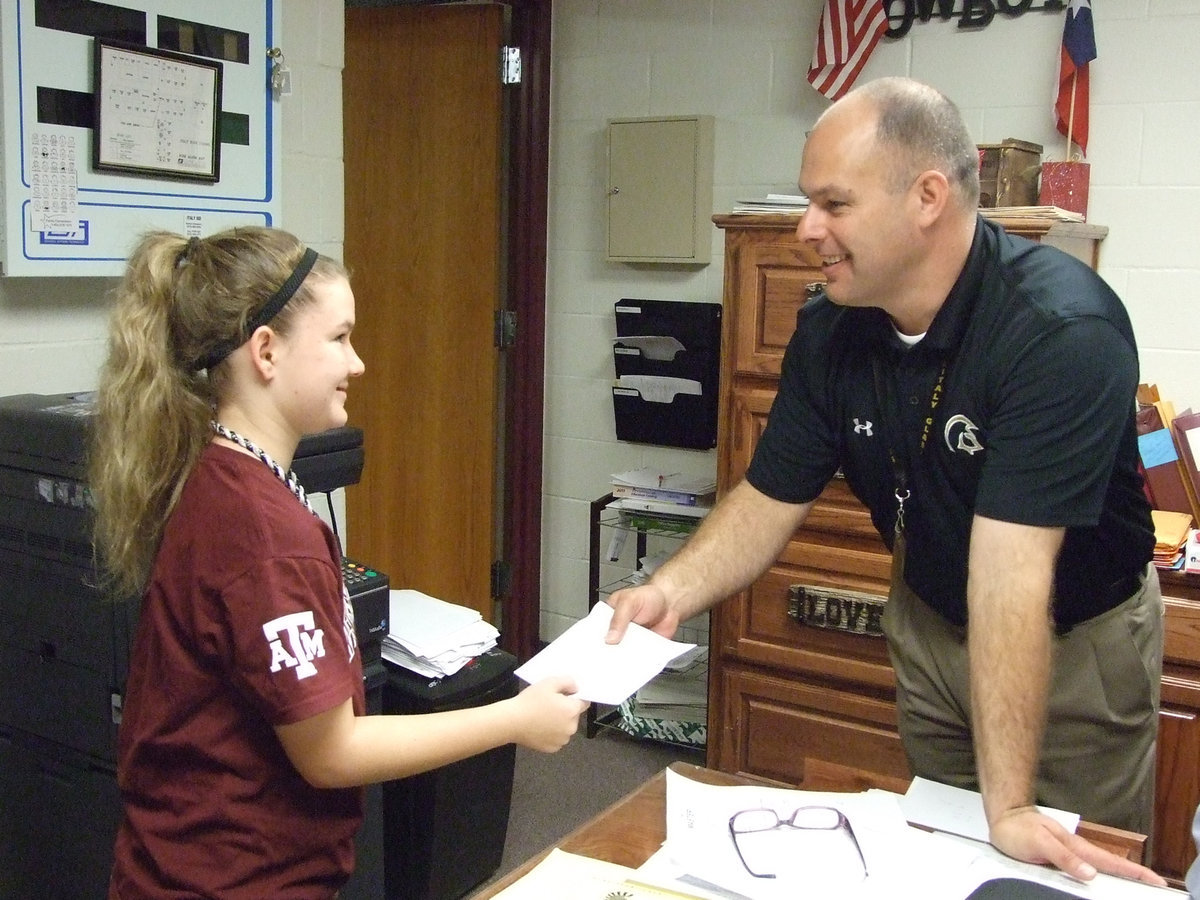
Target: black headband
268, 310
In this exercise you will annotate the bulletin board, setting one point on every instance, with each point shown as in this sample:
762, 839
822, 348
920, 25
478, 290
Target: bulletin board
63, 215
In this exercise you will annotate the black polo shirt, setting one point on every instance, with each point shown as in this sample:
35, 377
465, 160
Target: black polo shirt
1027, 378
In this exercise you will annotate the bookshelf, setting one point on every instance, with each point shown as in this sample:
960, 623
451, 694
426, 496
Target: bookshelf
609, 571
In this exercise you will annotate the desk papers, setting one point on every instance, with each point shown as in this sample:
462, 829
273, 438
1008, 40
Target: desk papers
698, 860
569, 876
957, 811
432, 637
700, 846
603, 673
903, 861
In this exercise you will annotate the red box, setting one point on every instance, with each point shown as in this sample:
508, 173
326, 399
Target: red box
1065, 185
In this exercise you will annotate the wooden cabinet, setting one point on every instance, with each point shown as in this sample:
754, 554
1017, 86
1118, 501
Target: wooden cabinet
784, 696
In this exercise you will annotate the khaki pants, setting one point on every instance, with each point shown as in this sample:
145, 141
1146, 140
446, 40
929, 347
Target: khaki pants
1097, 756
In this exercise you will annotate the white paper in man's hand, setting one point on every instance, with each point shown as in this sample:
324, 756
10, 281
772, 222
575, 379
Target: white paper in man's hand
603, 673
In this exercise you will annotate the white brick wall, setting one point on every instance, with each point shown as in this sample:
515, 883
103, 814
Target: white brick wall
743, 61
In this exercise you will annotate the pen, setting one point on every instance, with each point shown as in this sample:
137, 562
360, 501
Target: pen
662, 478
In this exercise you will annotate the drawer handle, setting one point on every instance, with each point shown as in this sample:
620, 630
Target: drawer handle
837, 610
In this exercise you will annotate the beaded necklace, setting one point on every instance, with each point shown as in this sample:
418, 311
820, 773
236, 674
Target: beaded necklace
288, 478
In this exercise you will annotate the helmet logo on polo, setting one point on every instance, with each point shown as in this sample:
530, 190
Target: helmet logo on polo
962, 434
304, 643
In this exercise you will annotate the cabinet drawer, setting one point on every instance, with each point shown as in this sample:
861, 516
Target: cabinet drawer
1181, 628
755, 627
771, 725
772, 280
1177, 791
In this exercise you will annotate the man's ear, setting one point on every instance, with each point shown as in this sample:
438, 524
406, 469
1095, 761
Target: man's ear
932, 193
263, 346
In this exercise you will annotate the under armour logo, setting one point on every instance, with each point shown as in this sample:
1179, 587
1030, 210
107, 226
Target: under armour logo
967, 435
305, 642
863, 427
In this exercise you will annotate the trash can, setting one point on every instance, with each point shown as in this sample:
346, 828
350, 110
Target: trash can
444, 830
367, 881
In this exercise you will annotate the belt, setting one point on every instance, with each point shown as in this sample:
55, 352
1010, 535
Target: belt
1113, 596
1124, 588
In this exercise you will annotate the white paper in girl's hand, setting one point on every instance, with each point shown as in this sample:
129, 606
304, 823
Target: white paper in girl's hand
603, 673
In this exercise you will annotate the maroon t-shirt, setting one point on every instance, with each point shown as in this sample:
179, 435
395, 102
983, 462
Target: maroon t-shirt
245, 625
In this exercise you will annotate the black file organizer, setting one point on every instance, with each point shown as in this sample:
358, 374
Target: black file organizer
688, 420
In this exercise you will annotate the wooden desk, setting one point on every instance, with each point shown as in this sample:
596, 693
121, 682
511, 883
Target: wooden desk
630, 831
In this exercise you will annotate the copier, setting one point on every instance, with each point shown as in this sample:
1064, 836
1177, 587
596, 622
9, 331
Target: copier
64, 647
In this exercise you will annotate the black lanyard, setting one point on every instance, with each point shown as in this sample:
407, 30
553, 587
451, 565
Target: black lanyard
897, 454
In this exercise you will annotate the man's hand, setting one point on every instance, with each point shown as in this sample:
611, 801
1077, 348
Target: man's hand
645, 604
735, 543
1030, 836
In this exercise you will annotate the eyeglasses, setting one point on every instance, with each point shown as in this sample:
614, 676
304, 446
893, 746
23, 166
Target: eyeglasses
758, 859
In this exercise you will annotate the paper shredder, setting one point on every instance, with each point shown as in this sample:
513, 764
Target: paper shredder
444, 830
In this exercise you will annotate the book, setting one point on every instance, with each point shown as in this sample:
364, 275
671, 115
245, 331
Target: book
648, 483
682, 498
661, 508
1191, 558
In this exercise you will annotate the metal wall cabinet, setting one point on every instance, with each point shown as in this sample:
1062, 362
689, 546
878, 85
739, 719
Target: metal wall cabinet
660, 174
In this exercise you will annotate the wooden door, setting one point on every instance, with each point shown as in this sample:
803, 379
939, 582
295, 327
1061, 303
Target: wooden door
422, 112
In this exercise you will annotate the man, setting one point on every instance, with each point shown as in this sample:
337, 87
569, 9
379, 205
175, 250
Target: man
1002, 471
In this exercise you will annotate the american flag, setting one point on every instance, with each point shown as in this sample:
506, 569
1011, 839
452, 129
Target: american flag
1078, 49
848, 33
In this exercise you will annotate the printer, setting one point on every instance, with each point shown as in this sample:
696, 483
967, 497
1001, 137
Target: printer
64, 644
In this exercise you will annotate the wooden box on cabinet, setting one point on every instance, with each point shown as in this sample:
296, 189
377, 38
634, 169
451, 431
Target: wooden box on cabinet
786, 698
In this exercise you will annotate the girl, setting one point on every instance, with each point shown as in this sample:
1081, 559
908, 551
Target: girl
244, 744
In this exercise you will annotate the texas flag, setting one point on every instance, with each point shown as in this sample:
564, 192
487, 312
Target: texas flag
1078, 49
848, 32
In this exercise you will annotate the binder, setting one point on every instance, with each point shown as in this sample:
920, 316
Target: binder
1185, 428
667, 361
1160, 459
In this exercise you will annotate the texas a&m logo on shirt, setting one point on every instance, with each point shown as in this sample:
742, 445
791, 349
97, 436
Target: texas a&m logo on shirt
295, 642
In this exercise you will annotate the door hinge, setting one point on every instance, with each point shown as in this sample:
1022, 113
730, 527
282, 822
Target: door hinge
501, 579
510, 65
505, 334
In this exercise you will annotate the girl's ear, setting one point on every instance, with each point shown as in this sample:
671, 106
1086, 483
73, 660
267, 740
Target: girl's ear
262, 347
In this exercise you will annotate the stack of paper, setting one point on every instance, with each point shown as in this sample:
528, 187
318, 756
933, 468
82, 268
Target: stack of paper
673, 705
1171, 531
777, 204
1032, 212
432, 637
678, 693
